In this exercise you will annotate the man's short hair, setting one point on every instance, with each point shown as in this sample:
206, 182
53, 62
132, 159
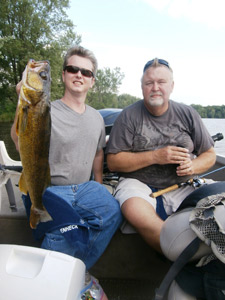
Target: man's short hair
80, 51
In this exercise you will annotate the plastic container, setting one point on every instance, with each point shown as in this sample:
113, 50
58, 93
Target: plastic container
33, 273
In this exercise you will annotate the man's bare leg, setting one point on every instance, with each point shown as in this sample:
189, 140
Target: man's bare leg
142, 216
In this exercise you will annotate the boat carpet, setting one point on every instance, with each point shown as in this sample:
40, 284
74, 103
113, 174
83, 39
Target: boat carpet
128, 289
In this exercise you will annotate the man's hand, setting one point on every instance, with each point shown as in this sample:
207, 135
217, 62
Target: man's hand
185, 168
171, 155
176, 155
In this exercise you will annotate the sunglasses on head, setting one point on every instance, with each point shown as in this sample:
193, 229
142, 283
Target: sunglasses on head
161, 61
75, 70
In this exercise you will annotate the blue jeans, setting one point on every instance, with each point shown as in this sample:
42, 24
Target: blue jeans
99, 210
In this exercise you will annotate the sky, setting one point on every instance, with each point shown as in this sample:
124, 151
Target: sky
189, 34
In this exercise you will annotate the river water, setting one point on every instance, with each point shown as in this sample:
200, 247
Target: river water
214, 126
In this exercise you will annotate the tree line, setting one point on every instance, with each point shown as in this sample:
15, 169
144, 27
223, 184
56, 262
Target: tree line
41, 29
211, 111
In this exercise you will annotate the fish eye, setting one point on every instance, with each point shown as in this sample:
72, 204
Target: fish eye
43, 75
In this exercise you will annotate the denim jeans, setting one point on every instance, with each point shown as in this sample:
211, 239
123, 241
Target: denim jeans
99, 210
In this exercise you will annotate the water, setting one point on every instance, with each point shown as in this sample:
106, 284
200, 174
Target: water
213, 125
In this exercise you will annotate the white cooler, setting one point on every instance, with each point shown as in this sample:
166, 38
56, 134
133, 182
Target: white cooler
32, 273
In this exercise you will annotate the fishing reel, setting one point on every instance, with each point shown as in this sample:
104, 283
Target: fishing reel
196, 181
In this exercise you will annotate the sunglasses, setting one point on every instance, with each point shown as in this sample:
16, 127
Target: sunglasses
161, 61
75, 70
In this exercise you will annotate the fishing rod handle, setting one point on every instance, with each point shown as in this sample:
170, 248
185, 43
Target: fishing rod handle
161, 192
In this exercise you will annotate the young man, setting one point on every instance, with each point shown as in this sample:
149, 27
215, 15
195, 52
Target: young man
156, 143
76, 150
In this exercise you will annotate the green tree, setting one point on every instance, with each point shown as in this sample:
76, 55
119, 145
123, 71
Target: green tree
104, 92
210, 111
218, 112
200, 109
37, 29
213, 111
126, 99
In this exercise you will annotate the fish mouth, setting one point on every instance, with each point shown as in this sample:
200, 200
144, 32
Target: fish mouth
38, 67
36, 81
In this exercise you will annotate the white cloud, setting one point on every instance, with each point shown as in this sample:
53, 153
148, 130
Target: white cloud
209, 12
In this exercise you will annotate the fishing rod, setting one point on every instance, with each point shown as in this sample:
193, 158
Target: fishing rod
196, 181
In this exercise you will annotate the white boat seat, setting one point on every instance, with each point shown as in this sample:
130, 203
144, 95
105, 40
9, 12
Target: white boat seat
5, 176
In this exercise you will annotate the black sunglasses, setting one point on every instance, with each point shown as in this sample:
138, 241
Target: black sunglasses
75, 70
161, 61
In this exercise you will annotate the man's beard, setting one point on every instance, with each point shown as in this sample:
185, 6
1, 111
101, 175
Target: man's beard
155, 102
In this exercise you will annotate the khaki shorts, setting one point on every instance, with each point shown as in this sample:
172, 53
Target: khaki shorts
129, 188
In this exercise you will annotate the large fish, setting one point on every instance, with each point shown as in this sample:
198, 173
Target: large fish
34, 129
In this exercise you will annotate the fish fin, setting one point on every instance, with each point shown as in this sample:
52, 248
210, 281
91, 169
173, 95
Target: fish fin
17, 125
37, 216
45, 216
24, 119
22, 184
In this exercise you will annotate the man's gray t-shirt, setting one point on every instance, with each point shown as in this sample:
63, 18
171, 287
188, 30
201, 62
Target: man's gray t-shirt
136, 130
75, 139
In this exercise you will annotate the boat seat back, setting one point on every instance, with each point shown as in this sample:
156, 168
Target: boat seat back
6, 176
4, 157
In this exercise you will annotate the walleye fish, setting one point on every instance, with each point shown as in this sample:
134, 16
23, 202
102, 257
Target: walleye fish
34, 129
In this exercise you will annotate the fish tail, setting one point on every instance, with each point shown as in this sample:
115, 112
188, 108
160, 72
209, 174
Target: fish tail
37, 216
34, 218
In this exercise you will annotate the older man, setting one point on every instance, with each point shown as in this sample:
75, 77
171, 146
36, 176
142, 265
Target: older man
156, 143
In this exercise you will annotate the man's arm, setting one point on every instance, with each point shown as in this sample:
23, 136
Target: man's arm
98, 166
132, 161
13, 129
14, 135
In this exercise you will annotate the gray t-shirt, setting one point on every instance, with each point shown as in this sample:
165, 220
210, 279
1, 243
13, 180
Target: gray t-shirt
137, 130
75, 139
